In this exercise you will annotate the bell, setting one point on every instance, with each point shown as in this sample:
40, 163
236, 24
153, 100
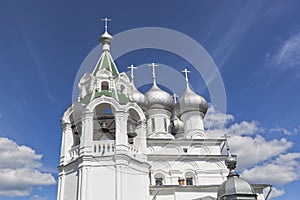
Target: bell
104, 127
131, 131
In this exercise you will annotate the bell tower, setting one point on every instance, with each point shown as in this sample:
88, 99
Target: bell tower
104, 137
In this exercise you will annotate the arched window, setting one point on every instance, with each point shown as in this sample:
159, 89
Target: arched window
159, 179
104, 122
76, 129
104, 85
190, 178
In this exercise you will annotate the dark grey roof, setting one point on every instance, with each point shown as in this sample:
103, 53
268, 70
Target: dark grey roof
206, 198
235, 187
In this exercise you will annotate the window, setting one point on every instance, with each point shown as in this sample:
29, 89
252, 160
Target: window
153, 124
165, 125
76, 129
158, 181
104, 85
189, 181
190, 178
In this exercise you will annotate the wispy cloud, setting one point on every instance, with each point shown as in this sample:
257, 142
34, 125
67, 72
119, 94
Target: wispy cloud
236, 30
20, 169
286, 56
283, 130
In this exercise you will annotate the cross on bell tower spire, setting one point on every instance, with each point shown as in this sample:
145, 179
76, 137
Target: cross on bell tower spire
132, 68
105, 23
153, 65
106, 38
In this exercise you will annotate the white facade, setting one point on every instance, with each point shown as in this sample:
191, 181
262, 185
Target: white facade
119, 144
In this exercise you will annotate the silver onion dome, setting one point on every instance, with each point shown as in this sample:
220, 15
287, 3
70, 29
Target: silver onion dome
157, 98
106, 37
190, 101
139, 98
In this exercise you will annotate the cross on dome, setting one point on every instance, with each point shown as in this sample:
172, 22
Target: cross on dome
175, 97
185, 71
153, 65
132, 68
105, 22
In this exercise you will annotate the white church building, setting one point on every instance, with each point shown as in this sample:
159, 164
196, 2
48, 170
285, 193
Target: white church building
120, 144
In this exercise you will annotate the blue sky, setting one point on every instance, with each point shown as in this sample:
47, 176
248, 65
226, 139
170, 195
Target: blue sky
255, 44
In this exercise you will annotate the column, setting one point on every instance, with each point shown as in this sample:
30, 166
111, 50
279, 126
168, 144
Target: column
121, 131
67, 142
87, 133
140, 140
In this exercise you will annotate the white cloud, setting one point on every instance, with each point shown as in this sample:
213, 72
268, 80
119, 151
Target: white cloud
37, 197
276, 192
215, 119
14, 156
19, 169
252, 151
287, 56
244, 128
278, 174
259, 159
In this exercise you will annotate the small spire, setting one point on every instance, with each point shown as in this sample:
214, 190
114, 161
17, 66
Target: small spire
226, 144
132, 68
175, 98
105, 23
153, 65
185, 71
230, 161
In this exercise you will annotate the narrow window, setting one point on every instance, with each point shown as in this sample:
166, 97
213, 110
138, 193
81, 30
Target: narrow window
189, 181
190, 178
165, 125
158, 181
104, 85
153, 124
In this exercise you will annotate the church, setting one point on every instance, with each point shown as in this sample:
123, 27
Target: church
121, 144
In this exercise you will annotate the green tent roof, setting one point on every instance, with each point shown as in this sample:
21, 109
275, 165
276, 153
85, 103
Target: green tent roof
106, 62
